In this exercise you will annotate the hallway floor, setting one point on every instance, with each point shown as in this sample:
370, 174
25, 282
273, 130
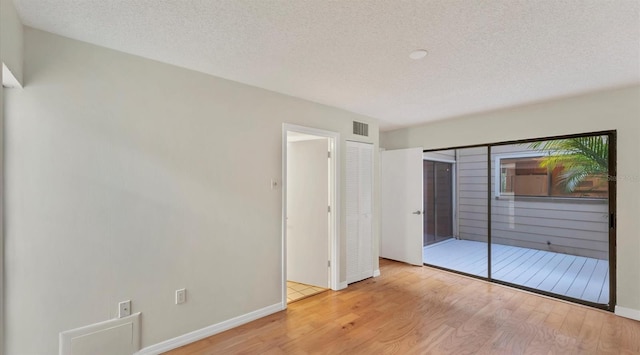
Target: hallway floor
297, 291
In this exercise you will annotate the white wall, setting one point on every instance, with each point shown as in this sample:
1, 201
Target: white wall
11, 43
11, 39
128, 179
610, 110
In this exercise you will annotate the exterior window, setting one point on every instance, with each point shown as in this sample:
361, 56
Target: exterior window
528, 176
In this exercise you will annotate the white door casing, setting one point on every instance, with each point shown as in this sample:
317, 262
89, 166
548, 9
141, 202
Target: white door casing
401, 207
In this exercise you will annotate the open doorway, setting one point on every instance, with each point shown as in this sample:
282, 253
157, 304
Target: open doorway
309, 212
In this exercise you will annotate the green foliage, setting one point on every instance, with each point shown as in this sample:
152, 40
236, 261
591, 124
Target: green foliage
581, 157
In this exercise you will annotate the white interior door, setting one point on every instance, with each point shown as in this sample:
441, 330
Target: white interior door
307, 214
401, 208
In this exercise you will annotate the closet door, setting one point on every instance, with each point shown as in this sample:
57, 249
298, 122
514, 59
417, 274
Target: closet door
359, 196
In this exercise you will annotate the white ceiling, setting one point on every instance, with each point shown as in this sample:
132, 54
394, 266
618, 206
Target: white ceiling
483, 54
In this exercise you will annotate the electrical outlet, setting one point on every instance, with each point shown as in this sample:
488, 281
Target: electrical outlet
124, 309
181, 296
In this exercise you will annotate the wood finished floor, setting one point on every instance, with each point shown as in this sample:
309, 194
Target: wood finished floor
421, 310
563, 274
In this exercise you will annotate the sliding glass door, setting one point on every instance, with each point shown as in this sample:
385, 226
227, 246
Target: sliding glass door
534, 214
550, 216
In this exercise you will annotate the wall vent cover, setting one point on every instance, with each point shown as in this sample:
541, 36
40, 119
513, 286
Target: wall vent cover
361, 129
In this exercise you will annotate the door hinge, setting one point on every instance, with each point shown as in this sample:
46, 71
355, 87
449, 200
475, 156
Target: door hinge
329, 209
329, 263
328, 154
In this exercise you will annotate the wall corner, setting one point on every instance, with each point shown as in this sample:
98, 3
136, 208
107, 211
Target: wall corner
11, 41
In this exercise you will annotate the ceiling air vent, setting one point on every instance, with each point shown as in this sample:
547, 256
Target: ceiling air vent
361, 129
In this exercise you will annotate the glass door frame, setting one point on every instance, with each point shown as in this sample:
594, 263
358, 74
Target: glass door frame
612, 139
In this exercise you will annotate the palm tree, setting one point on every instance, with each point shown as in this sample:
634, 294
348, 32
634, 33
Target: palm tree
580, 157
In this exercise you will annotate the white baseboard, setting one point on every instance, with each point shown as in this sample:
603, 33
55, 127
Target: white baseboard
209, 331
628, 312
376, 272
342, 286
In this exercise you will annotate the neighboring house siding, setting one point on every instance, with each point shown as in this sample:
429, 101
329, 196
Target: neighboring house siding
442, 155
570, 226
472, 193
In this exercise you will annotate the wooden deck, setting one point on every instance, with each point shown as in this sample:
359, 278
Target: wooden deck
562, 274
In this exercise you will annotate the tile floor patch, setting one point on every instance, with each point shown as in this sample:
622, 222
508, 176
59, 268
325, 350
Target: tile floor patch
297, 291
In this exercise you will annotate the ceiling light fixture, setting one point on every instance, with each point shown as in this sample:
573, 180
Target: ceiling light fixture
418, 54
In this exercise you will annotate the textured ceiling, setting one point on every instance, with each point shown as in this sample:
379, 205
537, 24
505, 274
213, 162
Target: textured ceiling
483, 54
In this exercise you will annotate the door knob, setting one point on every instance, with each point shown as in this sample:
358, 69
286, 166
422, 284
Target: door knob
417, 212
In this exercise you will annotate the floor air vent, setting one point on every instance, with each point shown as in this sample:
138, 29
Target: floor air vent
119, 336
361, 129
